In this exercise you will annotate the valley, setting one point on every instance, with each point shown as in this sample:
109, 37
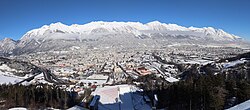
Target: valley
124, 65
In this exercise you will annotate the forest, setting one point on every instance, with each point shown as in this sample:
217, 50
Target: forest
40, 96
200, 91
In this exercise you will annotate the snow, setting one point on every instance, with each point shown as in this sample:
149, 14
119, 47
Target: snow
135, 28
216, 33
18, 108
108, 94
98, 77
120, 96
171, 79
242, 106
233, 63
6, 68
40, 79
9, 79
99, 82
156, 25
77, 108
125, 97
75, 48
201, 62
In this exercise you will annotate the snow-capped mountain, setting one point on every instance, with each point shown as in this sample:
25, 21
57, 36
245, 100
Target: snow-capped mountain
7, 45
134, 28
100, 34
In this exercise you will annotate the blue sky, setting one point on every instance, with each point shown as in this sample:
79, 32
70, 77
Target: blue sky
19, 16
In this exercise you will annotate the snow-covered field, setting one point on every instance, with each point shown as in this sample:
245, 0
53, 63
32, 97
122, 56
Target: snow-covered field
9, 79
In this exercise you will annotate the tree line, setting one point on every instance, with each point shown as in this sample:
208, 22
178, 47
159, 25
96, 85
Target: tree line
39, 96
210, 92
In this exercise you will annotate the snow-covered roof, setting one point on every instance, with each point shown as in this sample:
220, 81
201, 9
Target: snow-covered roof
18, 108
108, 94
97, 77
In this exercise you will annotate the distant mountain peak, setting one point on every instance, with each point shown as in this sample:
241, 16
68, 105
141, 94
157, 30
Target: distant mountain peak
154, 23
7, 39
7, 45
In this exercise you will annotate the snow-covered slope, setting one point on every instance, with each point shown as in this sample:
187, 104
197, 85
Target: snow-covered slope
242, 106
15, 71
7, 45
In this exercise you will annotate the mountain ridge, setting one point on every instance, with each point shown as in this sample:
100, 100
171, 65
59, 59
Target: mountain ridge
100, 34
127, 27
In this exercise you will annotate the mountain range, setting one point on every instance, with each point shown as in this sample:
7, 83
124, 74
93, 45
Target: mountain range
100, 34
